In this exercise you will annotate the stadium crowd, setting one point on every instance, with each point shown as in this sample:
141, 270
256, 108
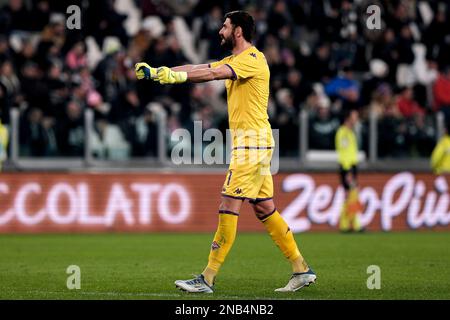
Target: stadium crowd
322, 56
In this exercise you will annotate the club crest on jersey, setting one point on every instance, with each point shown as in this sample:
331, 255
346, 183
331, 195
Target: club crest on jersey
215, 245
238, 191
253, 55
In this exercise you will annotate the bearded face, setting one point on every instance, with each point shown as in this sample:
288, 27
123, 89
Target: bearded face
227, 35
228, 42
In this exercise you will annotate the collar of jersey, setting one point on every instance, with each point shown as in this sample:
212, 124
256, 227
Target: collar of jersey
243, 51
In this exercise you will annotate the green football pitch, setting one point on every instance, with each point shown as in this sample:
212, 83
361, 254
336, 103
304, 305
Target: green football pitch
144, 266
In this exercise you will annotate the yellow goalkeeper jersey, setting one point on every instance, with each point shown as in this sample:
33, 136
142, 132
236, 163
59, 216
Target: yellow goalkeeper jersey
346, 147
247, 96
440, 158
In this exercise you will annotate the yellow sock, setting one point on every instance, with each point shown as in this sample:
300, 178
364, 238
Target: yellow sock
209, 275
356, 223
282, 235
353, 209
222, 243
344, 223
299, 265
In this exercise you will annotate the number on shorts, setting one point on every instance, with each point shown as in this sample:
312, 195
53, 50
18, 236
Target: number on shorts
229, 177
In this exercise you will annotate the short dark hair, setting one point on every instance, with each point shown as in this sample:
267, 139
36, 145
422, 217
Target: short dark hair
345, 114
244, 20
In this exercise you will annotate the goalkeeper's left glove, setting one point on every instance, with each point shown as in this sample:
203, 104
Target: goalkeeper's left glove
144, 71
166, 76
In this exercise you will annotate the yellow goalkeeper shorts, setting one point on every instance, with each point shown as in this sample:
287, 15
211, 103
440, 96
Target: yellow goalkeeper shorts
249, 174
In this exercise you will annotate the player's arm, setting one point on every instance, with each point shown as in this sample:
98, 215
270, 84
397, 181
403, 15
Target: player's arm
166, 75
180, 74
145, 71
210, 74
190, 67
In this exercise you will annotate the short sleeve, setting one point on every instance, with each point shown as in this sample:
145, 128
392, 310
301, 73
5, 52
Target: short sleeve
219, 63
246, 66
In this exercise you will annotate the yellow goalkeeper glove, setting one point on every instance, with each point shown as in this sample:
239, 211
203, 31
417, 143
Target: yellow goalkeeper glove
144, 71
166, 76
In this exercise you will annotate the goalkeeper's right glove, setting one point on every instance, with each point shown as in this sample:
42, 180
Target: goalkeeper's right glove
144, 71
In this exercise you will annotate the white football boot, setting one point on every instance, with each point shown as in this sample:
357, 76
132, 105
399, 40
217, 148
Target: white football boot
298, 281
196, 285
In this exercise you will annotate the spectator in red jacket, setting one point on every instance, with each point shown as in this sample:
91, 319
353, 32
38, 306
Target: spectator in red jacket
441, 90
407, 106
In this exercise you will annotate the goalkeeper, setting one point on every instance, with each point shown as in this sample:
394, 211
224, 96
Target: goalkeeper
247, 82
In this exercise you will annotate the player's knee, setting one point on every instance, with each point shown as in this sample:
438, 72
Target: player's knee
265, 206
225, 206
260, 215
262, 209
229, 204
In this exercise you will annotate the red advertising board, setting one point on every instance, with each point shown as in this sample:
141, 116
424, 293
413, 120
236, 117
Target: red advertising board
144, 202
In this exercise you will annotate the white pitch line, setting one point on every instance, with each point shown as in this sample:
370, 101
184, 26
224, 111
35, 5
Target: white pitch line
140, 294
100, 293
118, 294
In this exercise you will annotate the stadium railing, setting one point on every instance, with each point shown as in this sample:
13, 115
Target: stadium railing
307, 160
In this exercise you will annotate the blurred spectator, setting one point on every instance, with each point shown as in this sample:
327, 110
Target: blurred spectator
212, 23
53, 74
76, 57
174, 53
344, 88
128, 113
103, 20
441, 90
58, 90
422, 134
298, 86
9, 89
373, 80
32, 135
41, 14
55, 33
323, 126
278, 18
405, 42
25, 55
407, 106
276, 66
387, 51
381, 98
319, 66
71, 133
5, 51
16, 16
393, 132
286, 119
435, 37
34, 89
